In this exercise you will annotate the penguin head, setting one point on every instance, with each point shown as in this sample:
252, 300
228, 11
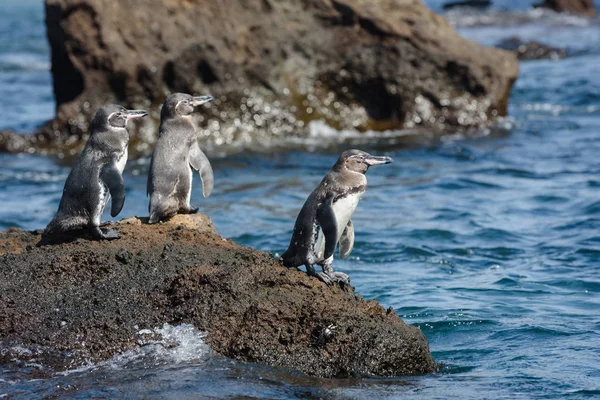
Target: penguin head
113, 116
182, 105
360, 161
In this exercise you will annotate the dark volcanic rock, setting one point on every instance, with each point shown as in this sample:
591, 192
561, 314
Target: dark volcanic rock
481, 4
531, 50
582, 7
82, 301
272, 66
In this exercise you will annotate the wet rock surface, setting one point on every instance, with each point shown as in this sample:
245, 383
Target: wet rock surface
273, 67
65, 305
531, 50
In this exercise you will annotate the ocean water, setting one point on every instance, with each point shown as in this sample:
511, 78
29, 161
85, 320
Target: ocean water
490, 246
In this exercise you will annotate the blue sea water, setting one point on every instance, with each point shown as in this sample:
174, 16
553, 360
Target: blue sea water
490, 246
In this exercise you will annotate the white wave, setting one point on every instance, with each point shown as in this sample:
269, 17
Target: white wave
320, 130
176, 344
462, 18
557, 109
31, 177
23, 61
159, 346
320, 135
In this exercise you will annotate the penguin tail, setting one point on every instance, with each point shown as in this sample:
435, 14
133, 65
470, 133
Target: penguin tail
155, 216
61, 224
51, 229
288, 259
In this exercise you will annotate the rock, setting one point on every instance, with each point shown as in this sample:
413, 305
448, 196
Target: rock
12, 142
481, 4
531, 50
581, 7
273, 67
82, 301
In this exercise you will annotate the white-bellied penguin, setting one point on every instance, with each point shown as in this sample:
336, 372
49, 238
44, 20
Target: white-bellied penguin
325, 218
175, 157
97, 175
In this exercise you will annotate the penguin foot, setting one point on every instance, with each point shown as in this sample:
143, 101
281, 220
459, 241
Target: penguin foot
332, 275
340, 277
324, 277
189, 210
110, 234
105, 234
330, 279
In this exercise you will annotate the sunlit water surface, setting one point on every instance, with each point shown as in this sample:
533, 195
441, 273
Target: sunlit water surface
490, 246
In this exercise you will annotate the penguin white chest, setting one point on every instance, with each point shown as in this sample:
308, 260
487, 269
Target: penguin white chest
343, 210
104, 194
122, 160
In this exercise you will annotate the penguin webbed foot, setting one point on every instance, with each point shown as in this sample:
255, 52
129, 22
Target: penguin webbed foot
111, 234
334, 276
328, 276
310, 270
330, 279
324, 277
338, 277
105, 234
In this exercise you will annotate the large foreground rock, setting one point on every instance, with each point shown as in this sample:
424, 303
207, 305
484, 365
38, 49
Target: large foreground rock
273, 67
68, 304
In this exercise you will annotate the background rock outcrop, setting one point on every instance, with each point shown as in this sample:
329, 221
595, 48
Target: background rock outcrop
81, 301
272, 66
581, 7
531, 50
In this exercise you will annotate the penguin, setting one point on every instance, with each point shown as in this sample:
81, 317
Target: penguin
175, 156
325, 219
96, 175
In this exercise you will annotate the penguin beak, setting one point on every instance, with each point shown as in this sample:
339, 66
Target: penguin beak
376, 160
198, 101
133, 114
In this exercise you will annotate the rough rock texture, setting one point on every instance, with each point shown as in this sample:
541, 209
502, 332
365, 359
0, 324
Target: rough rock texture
582, 7
79, 301
531, 50
272, 66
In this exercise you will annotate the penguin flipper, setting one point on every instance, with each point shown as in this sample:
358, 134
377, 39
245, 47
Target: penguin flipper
112, 178
347, 241
149, 185
328, 222
200, 163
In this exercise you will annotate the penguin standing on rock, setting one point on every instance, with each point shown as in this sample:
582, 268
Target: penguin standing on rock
325, 218
175, 157
96, 176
